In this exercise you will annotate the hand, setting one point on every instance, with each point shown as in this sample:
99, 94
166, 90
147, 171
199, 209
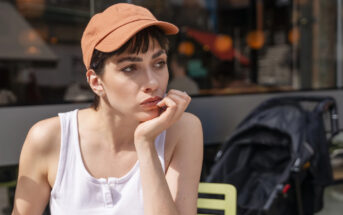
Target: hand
175, 103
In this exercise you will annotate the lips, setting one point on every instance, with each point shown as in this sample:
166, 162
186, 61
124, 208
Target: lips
150, 102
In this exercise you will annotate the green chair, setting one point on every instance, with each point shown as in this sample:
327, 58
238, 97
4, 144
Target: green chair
8, 184
228, 204
8, 181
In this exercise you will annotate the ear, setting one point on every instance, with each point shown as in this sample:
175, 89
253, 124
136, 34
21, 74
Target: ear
95, 82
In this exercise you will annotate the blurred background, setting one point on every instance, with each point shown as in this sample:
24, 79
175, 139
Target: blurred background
228, 54
226, 46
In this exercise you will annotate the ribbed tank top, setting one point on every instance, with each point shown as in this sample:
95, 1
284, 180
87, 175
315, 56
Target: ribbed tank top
77, 192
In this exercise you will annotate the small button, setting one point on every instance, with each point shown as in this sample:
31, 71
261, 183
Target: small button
108, 196
106, 189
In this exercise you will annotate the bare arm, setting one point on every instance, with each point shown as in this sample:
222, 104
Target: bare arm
166, 194
156, 194
33, 190
183, 174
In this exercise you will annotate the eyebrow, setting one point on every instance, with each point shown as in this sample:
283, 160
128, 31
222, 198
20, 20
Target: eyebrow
159, 53
137, 59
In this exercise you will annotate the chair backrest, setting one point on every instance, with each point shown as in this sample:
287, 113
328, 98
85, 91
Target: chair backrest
8, 184
228, 204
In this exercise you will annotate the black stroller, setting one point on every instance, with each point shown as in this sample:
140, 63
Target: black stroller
278, 157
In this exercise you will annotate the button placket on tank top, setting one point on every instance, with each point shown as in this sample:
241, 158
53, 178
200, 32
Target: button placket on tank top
107, 192
98, 196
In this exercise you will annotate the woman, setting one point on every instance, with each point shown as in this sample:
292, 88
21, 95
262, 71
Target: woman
135, 151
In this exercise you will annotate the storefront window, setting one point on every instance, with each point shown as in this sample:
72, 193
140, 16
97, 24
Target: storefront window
224, 47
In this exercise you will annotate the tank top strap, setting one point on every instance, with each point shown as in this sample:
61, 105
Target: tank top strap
159, 145
68, 127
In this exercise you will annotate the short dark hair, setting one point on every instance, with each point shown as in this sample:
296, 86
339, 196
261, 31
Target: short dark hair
139, 43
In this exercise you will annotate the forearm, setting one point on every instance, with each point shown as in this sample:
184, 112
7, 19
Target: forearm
156, 193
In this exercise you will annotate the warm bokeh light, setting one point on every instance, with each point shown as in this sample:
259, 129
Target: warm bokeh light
32, 50
186, 48
28, 37
31, 36
294, 36
31, 8
223, 43
53, 40
255, 39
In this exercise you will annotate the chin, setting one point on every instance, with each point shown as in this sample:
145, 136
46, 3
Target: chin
148, 115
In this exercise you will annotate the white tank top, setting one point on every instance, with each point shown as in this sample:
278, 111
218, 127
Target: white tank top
77, 192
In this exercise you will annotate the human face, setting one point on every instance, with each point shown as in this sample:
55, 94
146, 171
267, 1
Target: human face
130, 79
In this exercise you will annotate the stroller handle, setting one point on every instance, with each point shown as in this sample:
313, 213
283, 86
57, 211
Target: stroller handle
325, 103
334, 119
329, 105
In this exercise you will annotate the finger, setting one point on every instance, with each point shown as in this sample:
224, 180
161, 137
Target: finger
181, 102
181, 105
167, 102
183, 95
178, 92
171, 108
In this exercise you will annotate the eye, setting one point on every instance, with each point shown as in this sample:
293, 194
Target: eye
160, 64
129, 68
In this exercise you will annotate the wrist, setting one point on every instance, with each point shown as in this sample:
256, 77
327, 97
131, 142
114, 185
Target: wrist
143, 139
143, 142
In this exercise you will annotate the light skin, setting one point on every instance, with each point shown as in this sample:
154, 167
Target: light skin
121, 131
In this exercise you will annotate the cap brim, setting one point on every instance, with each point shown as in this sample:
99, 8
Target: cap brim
114, 41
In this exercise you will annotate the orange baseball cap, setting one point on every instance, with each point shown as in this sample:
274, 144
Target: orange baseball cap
109, 30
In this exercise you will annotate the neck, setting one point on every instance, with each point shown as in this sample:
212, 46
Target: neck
116, 129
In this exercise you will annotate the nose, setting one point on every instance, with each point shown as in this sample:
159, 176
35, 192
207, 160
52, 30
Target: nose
151, 82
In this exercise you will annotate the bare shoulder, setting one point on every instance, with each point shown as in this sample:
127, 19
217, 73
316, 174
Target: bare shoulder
43, 136
189, 124
37, 156
186, 135
190, 119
